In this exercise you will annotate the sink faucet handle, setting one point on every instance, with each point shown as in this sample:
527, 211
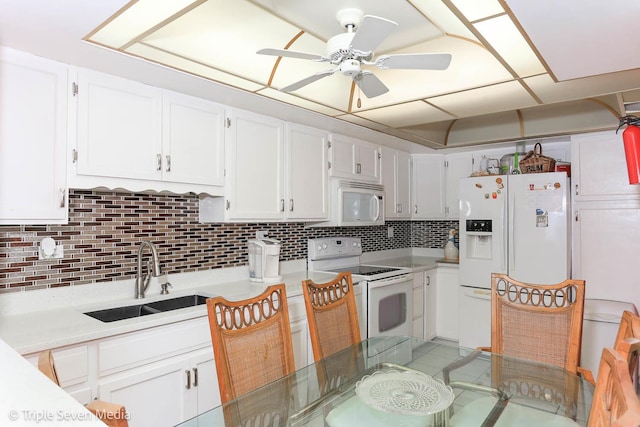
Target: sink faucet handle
164, 288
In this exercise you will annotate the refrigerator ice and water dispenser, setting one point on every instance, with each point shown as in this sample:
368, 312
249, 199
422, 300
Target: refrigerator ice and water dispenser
479, 238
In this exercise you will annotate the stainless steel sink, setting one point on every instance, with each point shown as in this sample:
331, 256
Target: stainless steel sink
129, 311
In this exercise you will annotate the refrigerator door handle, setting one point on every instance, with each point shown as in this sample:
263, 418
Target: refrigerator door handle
505, 233
512, 233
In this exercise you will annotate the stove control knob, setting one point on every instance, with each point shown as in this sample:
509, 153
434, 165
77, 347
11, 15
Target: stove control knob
319, 247
324, 246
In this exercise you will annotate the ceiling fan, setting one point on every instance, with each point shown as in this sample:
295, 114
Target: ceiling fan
349, 51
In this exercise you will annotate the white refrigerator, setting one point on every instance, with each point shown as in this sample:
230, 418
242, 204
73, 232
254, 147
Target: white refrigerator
513, 224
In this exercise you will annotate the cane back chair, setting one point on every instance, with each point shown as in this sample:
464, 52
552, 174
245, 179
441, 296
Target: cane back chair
251, 341
630, 328
332, 315
538, 322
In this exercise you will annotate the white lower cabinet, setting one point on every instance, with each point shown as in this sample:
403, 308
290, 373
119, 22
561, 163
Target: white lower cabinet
429, 278
447, 301
172, 363
302, 353
188, 382
418, 304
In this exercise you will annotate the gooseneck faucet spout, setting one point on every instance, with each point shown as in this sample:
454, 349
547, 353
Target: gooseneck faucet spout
153, 268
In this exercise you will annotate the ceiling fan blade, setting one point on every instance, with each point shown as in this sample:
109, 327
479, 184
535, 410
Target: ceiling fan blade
370, 85
371, 32
415, 61
292, 54
317, 76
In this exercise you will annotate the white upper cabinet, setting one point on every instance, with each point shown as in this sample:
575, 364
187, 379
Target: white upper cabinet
599, 168
427, 186
276, 171
354, 159
119, 127
255, 144
140, 137
435, 182
307, 177
456, 166
192, 140
33, 134
396, 179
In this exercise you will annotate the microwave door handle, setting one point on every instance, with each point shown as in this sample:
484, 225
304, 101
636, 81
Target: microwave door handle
376, 206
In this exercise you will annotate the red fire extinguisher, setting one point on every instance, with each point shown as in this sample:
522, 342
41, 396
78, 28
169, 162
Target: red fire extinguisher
631, 138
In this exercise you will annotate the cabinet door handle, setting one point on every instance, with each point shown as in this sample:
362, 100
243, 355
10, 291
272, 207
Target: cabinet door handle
63, 192
195, 377
168, 157
399, 208
159, 161
188, 386
427, 280
281, 205
290, 205
416, 209
358, 168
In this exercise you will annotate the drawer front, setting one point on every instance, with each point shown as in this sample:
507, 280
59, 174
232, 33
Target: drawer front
139, 348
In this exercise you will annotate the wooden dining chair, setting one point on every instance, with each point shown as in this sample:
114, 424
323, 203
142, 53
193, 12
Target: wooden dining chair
615, 402
112, 414
630, 328
251, 341
538, 322
332, 315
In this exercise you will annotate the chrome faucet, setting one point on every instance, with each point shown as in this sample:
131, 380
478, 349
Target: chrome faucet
153, 268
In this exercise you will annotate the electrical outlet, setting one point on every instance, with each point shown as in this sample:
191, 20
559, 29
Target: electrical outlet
390, 231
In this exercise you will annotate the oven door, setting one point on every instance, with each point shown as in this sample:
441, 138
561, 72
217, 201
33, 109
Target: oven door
389, 306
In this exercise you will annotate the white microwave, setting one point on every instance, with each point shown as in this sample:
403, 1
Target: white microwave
354, 203
357, 203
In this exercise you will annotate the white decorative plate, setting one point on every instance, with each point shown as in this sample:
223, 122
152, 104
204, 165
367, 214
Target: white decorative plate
405, 393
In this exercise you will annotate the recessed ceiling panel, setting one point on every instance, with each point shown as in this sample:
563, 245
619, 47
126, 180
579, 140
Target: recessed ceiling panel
565, 117
403, 115
580, 38
300, 102
192, 67
551, 92
137, 19
491, 99
474, 130
361, 121
444, 18
509, 43
478, 9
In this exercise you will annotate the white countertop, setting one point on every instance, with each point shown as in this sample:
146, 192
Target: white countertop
27, 397
33, 321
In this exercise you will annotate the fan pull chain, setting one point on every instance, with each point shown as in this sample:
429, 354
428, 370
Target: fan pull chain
359, 103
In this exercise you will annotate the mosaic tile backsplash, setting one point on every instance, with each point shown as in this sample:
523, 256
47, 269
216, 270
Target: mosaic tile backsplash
105, 229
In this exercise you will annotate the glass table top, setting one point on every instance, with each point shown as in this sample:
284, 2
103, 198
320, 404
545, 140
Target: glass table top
488, 389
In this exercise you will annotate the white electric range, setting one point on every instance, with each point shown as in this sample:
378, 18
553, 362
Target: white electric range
383, 293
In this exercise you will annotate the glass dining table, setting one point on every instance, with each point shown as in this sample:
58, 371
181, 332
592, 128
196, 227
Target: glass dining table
402, 381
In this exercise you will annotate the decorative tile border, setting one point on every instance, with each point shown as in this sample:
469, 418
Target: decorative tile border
105, 229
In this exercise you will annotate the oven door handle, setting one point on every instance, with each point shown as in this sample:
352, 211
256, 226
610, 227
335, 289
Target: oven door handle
390, 281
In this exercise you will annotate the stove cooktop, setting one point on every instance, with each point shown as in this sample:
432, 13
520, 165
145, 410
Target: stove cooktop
367, 270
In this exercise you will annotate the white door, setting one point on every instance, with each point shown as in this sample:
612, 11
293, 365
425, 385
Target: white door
307, 173
458, 166
483, 238
430, 303
447, 313
193, 140
256, 163
427, 187
538, 243
119, 127
33, 136
475, 317
367, 162
606, 248
389, 306
402, 176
